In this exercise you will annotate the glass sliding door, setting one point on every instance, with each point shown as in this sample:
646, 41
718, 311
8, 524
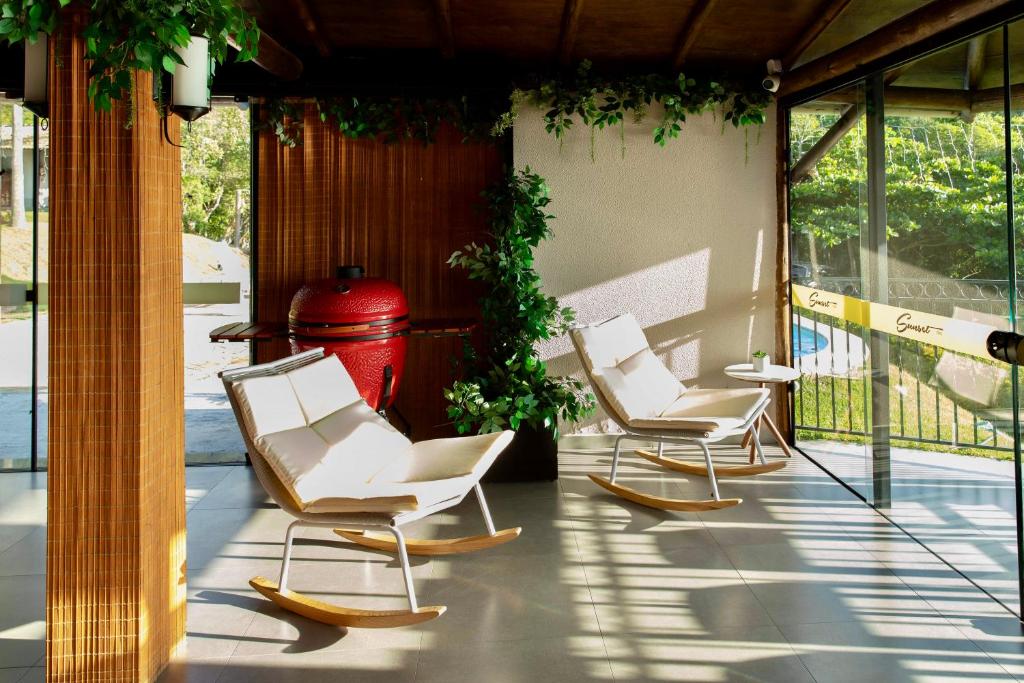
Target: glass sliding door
215, 169
828, 214
21, 223
925, 266
951, 410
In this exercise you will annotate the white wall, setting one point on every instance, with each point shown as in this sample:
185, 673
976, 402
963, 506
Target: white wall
683, 236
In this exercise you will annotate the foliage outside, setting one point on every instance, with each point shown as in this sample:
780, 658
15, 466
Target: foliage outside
125, 35
215, 175
945, 195
506, 386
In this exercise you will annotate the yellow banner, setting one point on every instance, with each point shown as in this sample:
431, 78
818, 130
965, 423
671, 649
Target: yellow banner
962, 336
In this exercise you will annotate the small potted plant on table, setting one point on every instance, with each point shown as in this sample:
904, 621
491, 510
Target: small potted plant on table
505, 385
761, 361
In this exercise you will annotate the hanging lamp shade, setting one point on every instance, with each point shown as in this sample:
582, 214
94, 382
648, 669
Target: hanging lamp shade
190, 94
37, 75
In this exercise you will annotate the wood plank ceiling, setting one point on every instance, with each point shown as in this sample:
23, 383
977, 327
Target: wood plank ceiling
738, 35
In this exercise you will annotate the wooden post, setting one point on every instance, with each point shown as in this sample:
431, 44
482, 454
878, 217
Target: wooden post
115, 556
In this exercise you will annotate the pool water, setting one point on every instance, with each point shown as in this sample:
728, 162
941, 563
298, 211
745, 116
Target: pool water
807, 342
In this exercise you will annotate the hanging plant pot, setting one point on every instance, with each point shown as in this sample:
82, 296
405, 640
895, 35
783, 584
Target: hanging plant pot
190, 94
532, 456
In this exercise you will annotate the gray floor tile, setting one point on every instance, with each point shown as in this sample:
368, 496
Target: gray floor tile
12, 675
890, 648
352, 666
569, 658
22, 611
758, 653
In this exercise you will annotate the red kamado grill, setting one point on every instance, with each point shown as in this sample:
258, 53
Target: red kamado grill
364, 321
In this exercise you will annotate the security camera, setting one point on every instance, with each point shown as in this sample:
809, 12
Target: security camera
771, 80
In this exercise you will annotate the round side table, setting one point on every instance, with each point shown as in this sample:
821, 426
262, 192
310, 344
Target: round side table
773, 374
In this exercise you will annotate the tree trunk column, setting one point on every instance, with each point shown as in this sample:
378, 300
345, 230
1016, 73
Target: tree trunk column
115, 592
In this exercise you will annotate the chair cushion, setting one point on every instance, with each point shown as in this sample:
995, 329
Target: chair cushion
335, 457
268, 405
445, 458
608, 343
323, 387
708, 410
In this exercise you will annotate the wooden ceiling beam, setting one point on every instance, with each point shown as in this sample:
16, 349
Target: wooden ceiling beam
803, 169
690, 31
445, 31
570, 26
937, 99
975, 63
274, 58
826, 13
316, 36
912, 28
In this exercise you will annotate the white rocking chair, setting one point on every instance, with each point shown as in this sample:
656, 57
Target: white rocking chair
329, 460
648, 403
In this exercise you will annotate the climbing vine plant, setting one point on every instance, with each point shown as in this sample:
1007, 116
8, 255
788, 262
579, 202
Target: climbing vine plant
594, 101
126, 35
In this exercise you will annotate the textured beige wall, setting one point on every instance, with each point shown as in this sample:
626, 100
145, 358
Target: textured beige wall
683, 236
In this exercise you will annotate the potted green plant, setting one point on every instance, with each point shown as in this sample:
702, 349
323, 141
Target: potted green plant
761, 361
504, 384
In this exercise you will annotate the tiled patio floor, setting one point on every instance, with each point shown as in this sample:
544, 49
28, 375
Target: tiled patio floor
801, 582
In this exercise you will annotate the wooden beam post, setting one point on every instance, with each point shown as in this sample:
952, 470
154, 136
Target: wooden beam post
274, 58
912, 28
570, 25
690, 31
446, 33
316, 36
802, 169
115, 551
975, 63
827, 12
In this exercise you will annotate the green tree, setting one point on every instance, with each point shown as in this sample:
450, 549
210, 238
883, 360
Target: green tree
945, 194
214, 168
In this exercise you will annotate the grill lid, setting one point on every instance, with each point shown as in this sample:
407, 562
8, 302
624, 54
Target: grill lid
355, 301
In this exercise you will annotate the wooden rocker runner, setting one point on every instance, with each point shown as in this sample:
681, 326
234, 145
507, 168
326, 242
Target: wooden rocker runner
329, 460
649, 404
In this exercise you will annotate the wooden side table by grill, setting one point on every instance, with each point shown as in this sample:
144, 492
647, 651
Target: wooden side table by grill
773, 374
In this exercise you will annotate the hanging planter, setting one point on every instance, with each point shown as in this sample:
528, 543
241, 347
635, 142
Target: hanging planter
190, 94
122, 38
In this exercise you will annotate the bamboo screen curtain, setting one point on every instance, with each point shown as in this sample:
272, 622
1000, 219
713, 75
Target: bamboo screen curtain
399, 210
115, 582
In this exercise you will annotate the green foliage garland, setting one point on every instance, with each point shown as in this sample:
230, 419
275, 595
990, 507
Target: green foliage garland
600, 102
596, 101
507, 385
122, 35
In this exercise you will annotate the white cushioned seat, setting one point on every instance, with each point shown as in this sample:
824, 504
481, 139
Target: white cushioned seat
268, 405
333, 453
707, 410
444, 458
323, 387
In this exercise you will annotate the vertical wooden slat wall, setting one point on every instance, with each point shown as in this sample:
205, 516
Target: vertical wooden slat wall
115, 594
399, 210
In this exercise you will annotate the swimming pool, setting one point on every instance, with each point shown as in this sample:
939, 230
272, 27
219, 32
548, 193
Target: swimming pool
807, 342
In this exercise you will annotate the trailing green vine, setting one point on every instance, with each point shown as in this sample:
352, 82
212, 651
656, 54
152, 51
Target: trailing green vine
594, 101
125, 35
